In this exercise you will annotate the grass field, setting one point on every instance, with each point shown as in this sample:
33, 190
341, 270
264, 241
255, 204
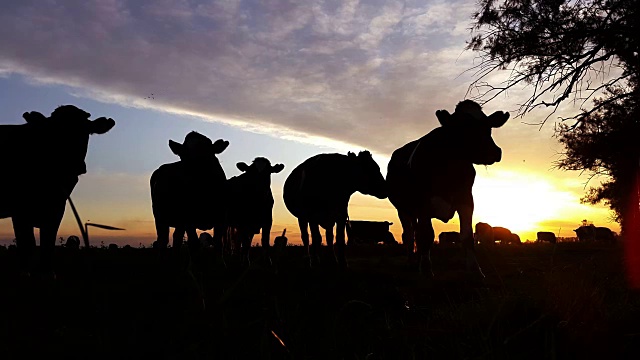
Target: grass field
540, 301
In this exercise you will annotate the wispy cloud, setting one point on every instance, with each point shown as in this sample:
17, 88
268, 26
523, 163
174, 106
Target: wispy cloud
370, 73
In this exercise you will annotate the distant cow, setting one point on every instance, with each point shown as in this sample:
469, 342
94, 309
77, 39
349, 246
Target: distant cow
432, 177
42, 160
187, 194
484, 234
590, 232
449, 237
515, 239
505, 236
73, 242
369, 232
249, 204
547, 236
317, 192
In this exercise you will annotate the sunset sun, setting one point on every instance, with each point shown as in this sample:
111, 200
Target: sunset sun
519, 201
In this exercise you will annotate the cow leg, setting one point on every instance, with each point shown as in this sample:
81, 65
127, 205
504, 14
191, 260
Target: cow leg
162, 240
246, 238
48, 235
178, 237
192, 239
304, 234
25, 242
408, 233
424, 239
340, 243
316, 243
266, 241
465, 214
329, 238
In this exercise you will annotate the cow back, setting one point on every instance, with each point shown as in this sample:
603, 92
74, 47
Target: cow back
428, 167
182, 195
319, 189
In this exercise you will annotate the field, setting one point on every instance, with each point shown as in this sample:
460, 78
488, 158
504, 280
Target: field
539, 301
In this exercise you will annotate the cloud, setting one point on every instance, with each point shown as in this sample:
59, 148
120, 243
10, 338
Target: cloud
370, 73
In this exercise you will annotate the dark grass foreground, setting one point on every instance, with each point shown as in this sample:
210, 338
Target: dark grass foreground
539, 301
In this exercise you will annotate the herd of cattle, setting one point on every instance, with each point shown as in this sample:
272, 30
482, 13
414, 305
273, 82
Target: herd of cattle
486, 234
431, 177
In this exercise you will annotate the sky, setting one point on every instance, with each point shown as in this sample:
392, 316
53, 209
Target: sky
281, 79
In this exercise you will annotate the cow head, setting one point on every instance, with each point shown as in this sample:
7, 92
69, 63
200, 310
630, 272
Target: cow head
261, 169
471, 128
199, 151
67, 131
369, 179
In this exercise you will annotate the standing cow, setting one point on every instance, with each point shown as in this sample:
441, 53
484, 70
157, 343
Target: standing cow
590, 233
432, 177
249, 205
187, 194
42, 160
484, 234
317, 192
449, 237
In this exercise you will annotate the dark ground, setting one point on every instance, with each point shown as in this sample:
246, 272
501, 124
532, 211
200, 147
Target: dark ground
539, 301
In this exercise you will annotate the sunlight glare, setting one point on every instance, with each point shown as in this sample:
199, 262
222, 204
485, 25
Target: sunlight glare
518, 201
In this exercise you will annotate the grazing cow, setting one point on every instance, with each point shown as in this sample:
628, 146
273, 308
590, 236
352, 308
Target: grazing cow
592, 233
484, 234
449, 237
42, 160
249, 205
432, 177
505, 236
515, 239
187, 194
317, 192
547, 236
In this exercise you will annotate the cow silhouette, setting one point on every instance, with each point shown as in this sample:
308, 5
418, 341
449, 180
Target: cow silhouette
43, 160
317, 192
505, 236
590, 233
484, 234
449, 237
249, 205
73, 242
188, 194
547, 236
432, 177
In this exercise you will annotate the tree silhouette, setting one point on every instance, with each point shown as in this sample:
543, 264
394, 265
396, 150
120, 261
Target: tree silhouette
584, 51
606, 142
562, 49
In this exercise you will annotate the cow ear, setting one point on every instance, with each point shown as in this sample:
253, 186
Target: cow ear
498, 119
443, 117
277, 168
101, 125
219, 146
242, 166
176, 147
34, 117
